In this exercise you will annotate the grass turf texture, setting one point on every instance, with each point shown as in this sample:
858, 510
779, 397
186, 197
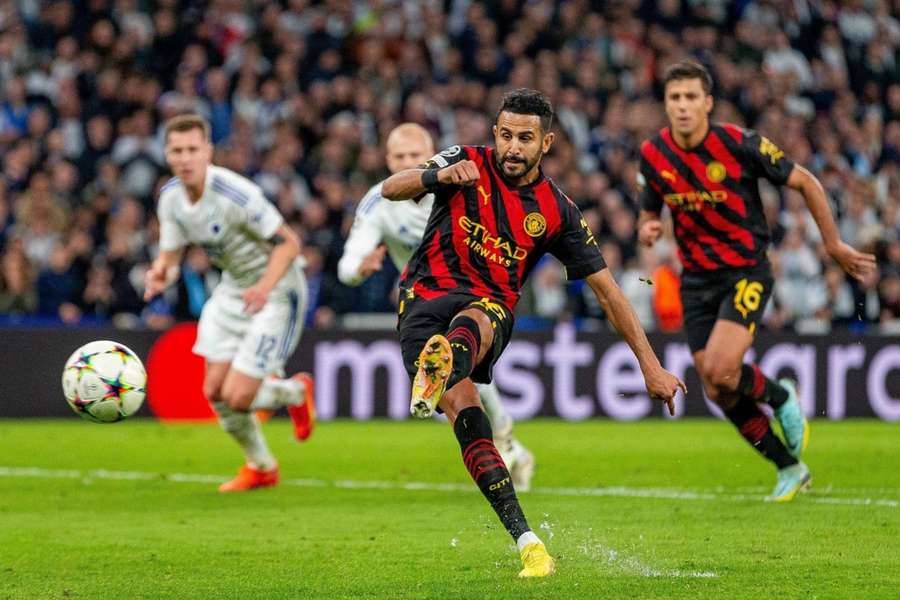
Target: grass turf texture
90, 536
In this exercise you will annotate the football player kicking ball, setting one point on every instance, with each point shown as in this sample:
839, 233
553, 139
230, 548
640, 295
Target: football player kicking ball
396, 228
494, 216
707, 175
252, 322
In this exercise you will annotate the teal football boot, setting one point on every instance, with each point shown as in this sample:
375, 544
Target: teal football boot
793, 422
791, 481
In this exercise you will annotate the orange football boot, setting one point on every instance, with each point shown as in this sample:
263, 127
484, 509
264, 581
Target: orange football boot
249, 478
304, 415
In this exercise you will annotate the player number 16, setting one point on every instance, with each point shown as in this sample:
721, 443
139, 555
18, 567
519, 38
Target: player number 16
747, 296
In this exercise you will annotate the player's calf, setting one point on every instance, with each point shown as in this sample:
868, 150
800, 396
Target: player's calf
757, 387
244, 428
521, 465
482, 460
782, 397
296, 393
754, 426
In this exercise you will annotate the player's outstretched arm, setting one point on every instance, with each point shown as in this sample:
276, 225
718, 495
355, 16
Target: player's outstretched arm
856, 264
412, 183
286, 249
649, 227
661, 384
162, 273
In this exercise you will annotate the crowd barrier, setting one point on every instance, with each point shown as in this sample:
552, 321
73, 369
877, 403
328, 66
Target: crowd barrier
561, 372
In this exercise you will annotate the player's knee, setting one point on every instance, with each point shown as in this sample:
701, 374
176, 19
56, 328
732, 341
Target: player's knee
723, 378
237, 399
714, 394
212, 390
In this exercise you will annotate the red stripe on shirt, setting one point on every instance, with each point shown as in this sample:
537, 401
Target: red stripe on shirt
734, 131
689, 263
487, 217
459, 235
692, 242
438, 265
714, 219
698, 168
720, 152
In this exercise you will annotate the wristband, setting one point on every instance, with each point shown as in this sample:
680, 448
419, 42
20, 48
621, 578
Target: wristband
430, 179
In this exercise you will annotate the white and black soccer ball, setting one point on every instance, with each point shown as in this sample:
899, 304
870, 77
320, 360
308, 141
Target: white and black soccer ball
104, 381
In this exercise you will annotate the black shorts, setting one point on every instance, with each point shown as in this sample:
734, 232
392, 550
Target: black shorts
420, 319
738, 295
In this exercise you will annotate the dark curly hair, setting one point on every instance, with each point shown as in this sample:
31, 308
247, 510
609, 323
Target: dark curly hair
525, 101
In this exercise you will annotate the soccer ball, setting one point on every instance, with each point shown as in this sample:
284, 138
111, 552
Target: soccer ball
104, 382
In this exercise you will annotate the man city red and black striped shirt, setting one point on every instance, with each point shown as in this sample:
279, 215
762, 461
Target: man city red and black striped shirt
485, 239
712, 191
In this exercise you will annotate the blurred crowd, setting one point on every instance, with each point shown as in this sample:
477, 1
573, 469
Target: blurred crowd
302, 93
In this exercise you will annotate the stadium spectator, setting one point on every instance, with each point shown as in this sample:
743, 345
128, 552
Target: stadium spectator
57, 286
17, 292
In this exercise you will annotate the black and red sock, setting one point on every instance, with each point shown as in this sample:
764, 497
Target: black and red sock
473, 430
755, 386
465, 342
753, 424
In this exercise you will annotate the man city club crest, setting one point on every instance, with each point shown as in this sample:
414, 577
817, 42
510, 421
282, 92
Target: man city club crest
535, 224
715, 171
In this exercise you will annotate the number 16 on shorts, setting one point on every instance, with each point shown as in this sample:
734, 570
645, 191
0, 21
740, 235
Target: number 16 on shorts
750, 301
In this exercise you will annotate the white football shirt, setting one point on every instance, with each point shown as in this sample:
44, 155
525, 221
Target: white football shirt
400, 225
232, 221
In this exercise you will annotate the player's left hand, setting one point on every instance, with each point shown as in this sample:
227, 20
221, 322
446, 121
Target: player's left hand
857, 264
255, 298
373, 261
663, 386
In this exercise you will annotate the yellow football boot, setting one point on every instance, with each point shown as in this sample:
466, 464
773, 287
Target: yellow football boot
435, 364
536, 561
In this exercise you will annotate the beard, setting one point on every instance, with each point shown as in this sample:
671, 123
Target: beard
514, 168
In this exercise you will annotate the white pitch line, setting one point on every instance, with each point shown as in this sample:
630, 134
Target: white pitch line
613, 491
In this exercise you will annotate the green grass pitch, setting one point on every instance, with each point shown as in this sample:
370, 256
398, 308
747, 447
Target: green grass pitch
386, 510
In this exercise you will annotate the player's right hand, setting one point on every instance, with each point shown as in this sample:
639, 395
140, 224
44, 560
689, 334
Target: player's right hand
465, 172
663, 386
857, 264
154, 282
649, 232
372, 261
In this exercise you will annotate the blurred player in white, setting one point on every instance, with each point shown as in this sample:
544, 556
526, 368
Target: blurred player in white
252, 322
396, 228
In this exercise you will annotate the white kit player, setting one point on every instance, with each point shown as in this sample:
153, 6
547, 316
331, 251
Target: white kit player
396, 228
252, 322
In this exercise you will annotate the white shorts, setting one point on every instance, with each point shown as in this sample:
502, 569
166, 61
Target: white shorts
256, 345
